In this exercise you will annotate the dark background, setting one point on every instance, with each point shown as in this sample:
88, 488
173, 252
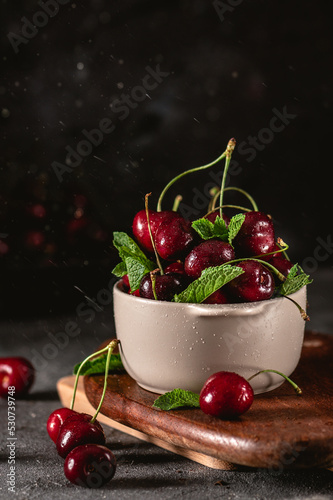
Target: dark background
229, 68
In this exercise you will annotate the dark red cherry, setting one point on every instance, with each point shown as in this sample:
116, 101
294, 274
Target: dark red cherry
140, 226
90, 465
256, 283
226, 395
218, 297
175, 267
282, 264
174, 238
166, 286
209, 253
256, 235
55, 421
77, 430
16, 372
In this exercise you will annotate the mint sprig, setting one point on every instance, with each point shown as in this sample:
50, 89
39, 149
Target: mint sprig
218, 229
295, 280
178, 398
134, 262
97, 365
210, 280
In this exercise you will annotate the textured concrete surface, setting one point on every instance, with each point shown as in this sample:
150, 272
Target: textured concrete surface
144, 471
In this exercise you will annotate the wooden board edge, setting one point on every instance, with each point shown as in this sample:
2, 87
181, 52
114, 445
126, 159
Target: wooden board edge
65, 391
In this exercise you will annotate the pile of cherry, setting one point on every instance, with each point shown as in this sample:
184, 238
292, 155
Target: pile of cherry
80, 440
184, 255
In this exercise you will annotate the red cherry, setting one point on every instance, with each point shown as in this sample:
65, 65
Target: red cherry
209, 253
55, 421
16, 372
77, 430
140, 226
256, 283
226, 395
166, 286
211, 217
256, 235
282, 264
34, 239
90, 465
218, 297
173, 238
175, 267
37, 210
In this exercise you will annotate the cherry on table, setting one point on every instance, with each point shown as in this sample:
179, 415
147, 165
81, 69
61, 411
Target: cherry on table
209, 253
55, 421
76, 430
16, 372
256, 283
226, 395
90, 465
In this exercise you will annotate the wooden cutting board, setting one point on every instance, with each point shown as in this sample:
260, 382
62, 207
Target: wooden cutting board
280, 431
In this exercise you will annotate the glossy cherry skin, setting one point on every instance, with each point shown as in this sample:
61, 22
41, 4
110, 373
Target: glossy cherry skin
226, 395
218, 297
282, 264
90, 465
140, 226
256, 235
209, 253
16, 372
256, 283
174, 238
55, 421
166, 286
77, 430
175, 267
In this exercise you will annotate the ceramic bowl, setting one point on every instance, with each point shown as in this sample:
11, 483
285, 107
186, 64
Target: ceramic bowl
166, 345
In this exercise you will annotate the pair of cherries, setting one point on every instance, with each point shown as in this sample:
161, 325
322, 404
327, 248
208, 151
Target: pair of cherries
80, 440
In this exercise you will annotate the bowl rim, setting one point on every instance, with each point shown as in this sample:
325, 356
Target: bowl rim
238, 306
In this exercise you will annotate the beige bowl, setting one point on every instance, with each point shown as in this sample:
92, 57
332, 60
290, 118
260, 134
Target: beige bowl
166, 345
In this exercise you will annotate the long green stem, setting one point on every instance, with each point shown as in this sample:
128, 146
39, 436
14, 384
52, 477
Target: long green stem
245, 193
151, 235
295, 386
229, 150
267, 264
110, 348
175, 179
113, 342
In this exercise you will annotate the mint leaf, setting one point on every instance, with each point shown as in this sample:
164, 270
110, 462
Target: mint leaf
178, 398
208, 230
210, 280
295, 280
120, 270
204, 228
234, 226
134, 261
97, 365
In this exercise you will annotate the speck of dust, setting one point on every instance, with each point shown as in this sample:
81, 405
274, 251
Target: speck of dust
5, 113
80, 66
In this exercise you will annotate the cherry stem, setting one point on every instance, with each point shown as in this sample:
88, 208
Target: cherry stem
230, 147
214, 193
113, 343
267, 264
151, 235
110, 349
295, 386
176, 202
301, 310
228, 206
245, 193
153, 284
175, 179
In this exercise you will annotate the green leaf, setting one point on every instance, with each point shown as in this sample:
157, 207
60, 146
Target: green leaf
210, 280
178, 398
134, 261
120, 270
97, 365
208, 230
234, 226
204, 228
295, 280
